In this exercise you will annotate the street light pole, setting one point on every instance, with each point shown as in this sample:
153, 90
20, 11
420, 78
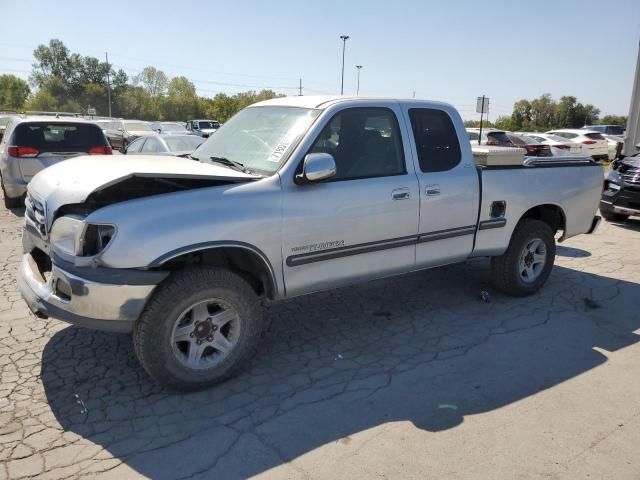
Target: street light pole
359, 67
344, 39
106, 56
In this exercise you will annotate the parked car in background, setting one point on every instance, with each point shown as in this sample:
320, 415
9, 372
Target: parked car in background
533, 147
560, 147
4, 120
170, 128
204, 128
621, 192
31, 144
490, 136
595, 145
176, 145
121, 133
608, 129
614, 145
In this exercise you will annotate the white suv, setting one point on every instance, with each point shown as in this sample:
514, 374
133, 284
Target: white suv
594, 144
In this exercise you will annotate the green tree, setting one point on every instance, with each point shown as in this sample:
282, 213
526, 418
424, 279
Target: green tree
505, 123
13, 92
542, 113
476, 123
154, 81
181, 102
521, 116
613, 120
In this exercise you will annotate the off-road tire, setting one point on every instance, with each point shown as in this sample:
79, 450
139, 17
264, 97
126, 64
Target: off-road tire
611, 216
152, 331
505, 268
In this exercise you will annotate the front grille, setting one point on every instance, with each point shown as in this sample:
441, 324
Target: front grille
631, 175
35, 214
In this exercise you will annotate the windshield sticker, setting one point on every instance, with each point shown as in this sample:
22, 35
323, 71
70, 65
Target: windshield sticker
294, 132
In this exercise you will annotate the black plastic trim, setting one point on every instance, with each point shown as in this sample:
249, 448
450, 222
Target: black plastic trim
196, 247
495, 223
330, 254
449, 233
113, 276
339, 252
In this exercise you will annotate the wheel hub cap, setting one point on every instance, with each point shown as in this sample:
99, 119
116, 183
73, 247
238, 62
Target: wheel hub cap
204, 334
532, 260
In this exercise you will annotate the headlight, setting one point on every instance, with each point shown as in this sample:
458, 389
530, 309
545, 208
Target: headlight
614, 176
65, 235
72, 237
96, 238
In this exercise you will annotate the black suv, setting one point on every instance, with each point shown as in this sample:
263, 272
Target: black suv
621, 192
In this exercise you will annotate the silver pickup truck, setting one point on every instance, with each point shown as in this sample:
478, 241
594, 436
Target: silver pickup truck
291, 196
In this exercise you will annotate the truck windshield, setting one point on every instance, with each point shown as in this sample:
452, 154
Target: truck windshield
258, 138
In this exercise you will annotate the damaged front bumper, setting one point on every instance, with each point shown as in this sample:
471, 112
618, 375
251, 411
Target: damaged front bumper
97, 298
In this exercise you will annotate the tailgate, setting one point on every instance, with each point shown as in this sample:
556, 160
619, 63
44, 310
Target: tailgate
29, 166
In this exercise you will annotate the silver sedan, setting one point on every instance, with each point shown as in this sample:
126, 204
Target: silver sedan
175, 145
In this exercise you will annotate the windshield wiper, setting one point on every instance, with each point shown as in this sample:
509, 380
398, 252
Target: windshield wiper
231, 164
193, 158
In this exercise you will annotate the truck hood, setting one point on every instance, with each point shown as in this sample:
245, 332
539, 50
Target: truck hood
112, 179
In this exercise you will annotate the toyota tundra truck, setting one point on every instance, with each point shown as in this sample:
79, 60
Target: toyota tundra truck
290, 197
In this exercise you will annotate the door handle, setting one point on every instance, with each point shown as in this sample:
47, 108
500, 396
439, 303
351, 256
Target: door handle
432, 190
401, 194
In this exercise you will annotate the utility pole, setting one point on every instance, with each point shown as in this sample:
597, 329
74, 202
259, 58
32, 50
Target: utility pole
481, 113
632, 134
300, 88
106, 56
344, 39
359, 67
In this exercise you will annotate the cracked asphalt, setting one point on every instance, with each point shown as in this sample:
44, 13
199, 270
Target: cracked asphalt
410, 377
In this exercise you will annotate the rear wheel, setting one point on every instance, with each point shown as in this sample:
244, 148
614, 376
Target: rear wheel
199, 328
10, 202
528, 261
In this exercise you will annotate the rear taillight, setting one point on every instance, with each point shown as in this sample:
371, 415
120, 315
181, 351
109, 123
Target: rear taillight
100, 151
492, 142
589, 142
563, 147
15, 151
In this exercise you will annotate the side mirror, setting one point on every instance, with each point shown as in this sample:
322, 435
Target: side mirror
316, 168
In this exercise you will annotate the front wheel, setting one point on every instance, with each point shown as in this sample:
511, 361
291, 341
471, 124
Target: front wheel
528, 261
199, 328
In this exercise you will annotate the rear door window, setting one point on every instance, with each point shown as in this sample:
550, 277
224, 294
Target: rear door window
136, 145
59, 137
152, 145
499, 139
436, 139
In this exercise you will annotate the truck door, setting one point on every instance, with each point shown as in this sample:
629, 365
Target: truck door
449, 186
363, 222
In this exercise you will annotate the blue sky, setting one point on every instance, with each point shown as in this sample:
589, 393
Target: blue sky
443, 50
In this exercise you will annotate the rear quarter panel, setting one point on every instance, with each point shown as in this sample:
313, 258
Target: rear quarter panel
575, 189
